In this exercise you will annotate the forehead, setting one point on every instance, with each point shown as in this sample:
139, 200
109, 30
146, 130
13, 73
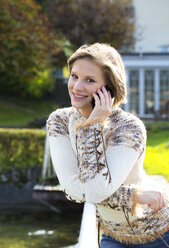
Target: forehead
86, 66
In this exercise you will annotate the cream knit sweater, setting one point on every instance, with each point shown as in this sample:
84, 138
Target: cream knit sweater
103, 164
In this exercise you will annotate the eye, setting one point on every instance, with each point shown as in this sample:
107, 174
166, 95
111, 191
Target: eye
73, 75
90, 80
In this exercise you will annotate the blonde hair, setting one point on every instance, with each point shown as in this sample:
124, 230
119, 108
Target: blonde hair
110, 62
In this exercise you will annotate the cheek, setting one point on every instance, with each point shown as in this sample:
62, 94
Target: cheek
94, 89
70, 85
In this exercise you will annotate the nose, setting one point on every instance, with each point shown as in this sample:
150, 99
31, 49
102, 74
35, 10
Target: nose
78, 85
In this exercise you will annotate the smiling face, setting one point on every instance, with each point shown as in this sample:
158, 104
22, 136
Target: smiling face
85, 79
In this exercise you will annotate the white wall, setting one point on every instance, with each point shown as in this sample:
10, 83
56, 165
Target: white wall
152, 25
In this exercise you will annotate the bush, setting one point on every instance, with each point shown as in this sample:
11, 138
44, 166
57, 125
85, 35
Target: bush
21, 148
41, 85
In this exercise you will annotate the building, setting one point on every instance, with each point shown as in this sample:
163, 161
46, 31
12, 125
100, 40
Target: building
147, 67
148, 84
151, 25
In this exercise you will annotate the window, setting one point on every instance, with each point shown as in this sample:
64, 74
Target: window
164, 49
164, 91
134, 94
149, 91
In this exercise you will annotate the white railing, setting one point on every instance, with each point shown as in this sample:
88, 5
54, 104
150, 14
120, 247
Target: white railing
88, 237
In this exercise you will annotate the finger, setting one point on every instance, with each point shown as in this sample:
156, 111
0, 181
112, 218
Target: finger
162, 202
110, 99
106, 95
152, 206
97, 100
158, 202
102, 98
154, 202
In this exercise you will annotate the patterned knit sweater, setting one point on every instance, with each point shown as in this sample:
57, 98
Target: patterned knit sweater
103, 164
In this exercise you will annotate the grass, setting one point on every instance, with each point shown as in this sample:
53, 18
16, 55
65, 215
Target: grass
157, 124
157, 153
17, 112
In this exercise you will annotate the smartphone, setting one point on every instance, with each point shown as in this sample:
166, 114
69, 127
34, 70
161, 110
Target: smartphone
93, 100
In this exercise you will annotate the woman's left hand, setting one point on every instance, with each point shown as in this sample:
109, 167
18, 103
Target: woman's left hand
153, 199
103, 105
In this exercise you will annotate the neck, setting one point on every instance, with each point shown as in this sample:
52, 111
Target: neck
85, 113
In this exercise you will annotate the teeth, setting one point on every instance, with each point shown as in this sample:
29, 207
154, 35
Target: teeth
78, 96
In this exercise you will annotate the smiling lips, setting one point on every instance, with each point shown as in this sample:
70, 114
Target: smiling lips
78, 97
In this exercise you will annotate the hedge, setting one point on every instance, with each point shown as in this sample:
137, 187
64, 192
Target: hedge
21, 148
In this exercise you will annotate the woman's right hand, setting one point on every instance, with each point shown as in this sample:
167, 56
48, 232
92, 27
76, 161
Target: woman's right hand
153, 199
103, 105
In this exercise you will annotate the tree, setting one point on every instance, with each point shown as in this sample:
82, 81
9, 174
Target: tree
26, 45
89, 21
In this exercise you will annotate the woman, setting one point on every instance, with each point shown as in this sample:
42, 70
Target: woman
98, 150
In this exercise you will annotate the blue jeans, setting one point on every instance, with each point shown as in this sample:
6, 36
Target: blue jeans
109, 242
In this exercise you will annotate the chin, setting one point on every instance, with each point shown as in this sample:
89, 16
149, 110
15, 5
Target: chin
78, 106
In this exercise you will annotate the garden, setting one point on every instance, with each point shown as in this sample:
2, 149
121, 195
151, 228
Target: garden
16, 112
36, 39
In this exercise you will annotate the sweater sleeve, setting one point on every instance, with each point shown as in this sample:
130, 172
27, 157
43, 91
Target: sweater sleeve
63, 157
104, 167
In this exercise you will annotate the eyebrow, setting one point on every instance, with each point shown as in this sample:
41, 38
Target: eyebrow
85, 76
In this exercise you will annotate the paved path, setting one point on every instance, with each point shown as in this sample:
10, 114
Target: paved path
159, 179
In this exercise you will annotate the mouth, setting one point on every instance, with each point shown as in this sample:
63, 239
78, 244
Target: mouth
78, 97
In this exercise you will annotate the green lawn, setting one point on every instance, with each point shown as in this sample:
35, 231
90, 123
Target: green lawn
157, 153
17, 112
157, 124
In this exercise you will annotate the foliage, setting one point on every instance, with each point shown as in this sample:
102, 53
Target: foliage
157, 150
26, 45
41, 84
43, 4
21, 148
89, 21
